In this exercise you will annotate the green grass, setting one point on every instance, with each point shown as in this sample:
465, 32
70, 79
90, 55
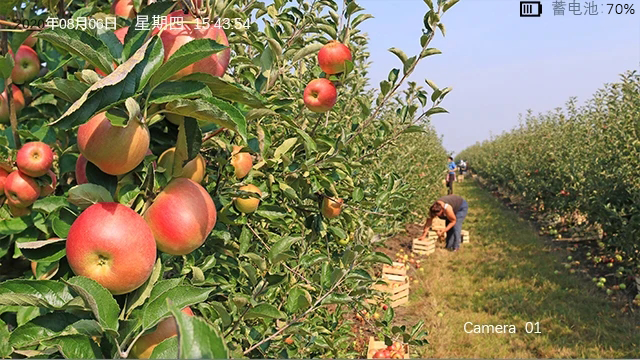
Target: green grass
506, 276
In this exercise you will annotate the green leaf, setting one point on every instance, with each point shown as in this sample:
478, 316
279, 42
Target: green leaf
284, 147
277, 250
393, 75
166, 349
50, 204
359, 19
197, 339
173, 90
121, 84
229, 91
400, 54
86, 195
43, 251
81, 44
5, 348
408, 64
385, 86
188, 144
337, 299
211, 110
276, 48
298, 299
337, 232
15, 225
413, 129
244, 240
141, 294
429, 52
76, 347
186, 55
429, 4
41, 293
435, 110
306, 51
100, 301
431, 84
6, 66
182, 296
358, 194
264, 311
67, 89
449, 4
52, 325
378, 257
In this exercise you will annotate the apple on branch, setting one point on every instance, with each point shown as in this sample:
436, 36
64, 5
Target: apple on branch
181, 217
248, 205
115, 150
119, 254
320, 95
18, 102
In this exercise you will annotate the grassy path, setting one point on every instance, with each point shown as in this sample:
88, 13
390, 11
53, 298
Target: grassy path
506, 276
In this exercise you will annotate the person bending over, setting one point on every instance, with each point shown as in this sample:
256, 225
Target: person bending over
453, 209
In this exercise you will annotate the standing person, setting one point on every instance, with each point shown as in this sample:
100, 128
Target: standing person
453, 209
451, 175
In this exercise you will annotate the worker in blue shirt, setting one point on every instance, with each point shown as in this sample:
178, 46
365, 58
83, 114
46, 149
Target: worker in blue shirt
451, 175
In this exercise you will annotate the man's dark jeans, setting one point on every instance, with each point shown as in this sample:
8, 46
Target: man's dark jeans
454, 236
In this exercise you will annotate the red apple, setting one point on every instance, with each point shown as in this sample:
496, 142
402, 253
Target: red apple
194, 169
173, 39
113, 245
3, 177
181, 217
49, 189
382, 354
248, 205
320, 95
81, 170
121, 33
166, 328
27, 65
124, 8
115, 150
332, 57
331, 208
18, 211
34, 158
18, 102
21, 190
30, 41
241, 162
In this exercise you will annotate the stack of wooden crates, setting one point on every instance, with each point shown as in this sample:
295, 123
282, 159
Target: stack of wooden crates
397, 283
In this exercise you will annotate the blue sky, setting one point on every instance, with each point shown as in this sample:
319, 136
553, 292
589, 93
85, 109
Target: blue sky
500, 64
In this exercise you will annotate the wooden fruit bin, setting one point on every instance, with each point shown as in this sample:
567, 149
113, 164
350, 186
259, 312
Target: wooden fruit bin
465, 236
424, 247
395, 272
375, 345
460, 178
398, 291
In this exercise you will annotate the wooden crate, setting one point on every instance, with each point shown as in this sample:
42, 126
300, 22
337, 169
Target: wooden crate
438, 224
424, 247
395, 272
398, 291
465, 236
375, 345
460, 178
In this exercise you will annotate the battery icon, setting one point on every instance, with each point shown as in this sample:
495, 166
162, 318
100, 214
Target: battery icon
530, 9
